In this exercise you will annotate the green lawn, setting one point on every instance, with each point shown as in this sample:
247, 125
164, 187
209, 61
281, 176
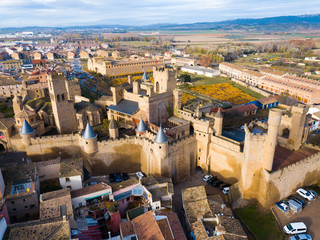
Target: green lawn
263, 225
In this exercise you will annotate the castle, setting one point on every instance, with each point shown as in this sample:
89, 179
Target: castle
172, 142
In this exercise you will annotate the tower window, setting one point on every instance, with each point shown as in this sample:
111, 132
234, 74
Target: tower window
62, 96
58, 98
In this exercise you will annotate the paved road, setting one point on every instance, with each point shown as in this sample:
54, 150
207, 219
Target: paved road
310, 215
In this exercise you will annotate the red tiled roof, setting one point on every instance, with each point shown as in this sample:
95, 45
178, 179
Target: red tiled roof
38, 61
89, 189
147, 227
175, 225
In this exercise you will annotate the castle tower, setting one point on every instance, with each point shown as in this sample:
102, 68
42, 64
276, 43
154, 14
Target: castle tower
298, 121
27, 132
218, 122
17, 104
113, 129
177, 94
270, 144
90, 143
162, 166
164, 79
142, 128
63, 109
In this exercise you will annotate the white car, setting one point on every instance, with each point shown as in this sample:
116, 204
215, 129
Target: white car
206, 178
305, 194
140, 175
295, 228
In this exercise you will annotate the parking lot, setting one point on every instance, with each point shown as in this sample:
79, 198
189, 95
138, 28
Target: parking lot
310, 215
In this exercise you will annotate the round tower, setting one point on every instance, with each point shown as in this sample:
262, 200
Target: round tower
26, 133
113, 129
161, 166
90, 143
218, 122
142, 128
270, 144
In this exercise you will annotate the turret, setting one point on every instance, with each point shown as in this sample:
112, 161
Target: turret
17, 104
89, 137
218, 122
270, 144
27, 132
142, 128
298, 121
145, 77
162, 166
113, 129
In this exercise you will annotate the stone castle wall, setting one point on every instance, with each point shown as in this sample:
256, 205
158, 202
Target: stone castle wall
284, 182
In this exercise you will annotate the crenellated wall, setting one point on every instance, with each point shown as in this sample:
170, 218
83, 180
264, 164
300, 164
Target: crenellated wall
284, 182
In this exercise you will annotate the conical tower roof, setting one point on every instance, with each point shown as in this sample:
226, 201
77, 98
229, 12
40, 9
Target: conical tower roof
145, 76
161, 136
142, 126
26, 128
88, 132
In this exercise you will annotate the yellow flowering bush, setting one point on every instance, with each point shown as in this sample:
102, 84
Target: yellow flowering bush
224, 92
186, 97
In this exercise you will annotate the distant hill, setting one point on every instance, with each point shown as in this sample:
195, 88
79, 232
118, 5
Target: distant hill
282, 23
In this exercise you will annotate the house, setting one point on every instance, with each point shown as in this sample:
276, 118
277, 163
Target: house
87, 195
130, 192
21, 192
56, 204
153, 226
208, 216
267, 102
50, 229
161, 189
71, 173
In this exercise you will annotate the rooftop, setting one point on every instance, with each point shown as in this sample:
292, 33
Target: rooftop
125, 106
90, 189
175, 225
71, 167
284, 157
146, 227
124, 184
40, 230
86, 107
55, 204
127, 229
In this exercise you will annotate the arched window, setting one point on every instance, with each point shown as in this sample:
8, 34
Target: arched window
286, 133
58, 98
157, 87
62, 96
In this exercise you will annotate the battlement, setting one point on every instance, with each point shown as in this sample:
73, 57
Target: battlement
226, 143
256, 136
181, 140
74, 136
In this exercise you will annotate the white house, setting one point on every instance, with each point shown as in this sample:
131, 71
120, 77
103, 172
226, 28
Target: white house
208, 72
82, 196
71, 172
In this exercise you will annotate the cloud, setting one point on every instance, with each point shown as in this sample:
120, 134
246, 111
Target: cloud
15, 13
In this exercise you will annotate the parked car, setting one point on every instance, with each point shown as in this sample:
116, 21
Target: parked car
217, 183
301, 237
224, 185
140, 175
296, 207
283, 206
112, 178
211, 180
298, 200
305, 194
314, 194
125, 176
118, 177
206, 178
295, 228
225, 190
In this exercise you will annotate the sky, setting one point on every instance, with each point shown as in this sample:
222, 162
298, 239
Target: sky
55, 13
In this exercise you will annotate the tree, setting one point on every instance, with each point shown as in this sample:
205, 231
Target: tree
186, 77
206, 61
